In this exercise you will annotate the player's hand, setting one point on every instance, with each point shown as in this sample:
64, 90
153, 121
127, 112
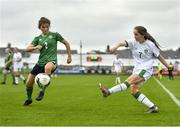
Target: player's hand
38, 47
69, 60
112, 50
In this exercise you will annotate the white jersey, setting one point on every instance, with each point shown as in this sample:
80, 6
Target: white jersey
17, 57
17, 61
117, 64
143, 54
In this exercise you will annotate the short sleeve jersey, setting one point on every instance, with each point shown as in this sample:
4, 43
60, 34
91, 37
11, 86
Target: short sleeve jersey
143, 53
16, 57
118, 62
8, 57
48, 53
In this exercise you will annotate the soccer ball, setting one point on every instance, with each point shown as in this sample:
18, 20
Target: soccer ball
42, 80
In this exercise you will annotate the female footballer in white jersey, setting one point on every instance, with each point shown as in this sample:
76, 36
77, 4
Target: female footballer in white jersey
144, 48
117, 67
17, 66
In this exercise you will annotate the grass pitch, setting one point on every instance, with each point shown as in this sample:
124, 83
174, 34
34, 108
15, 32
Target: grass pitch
76, 100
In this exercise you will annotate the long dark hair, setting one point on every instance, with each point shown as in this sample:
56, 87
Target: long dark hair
143, 31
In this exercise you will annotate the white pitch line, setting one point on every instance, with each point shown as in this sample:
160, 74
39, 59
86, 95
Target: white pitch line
171, 95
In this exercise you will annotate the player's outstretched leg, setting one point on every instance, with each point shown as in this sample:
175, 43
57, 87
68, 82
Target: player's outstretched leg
118, 88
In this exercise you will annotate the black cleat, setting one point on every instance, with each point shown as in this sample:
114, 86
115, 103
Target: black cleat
40, 96
104, 90
3, 83
27, 102
153, 109
24, 81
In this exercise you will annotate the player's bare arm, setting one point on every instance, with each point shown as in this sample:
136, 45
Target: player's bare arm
68, 49
121, 44
8, 62
31, 47
162, 60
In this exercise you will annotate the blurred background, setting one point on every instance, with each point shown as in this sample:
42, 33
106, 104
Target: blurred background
91, 27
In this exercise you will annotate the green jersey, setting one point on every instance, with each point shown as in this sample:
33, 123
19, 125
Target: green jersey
49, 47
8, 57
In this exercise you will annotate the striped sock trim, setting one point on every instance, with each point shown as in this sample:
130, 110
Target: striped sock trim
127, 84
143, 99
137, 94
121, 88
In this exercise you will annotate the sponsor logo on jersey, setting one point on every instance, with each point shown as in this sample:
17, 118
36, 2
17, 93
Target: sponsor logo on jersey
50, 37
145, 51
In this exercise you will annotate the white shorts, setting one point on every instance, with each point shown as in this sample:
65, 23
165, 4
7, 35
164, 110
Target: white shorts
17, 67
145, 73
117, 69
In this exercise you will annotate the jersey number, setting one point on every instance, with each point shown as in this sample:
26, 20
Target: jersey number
46, 45
140, 54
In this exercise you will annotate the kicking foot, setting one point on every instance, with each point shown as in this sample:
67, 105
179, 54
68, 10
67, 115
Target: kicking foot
104, 90
27, 102
40, 96
153, 109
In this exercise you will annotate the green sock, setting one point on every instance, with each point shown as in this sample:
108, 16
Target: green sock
5, 76
143, 99
29, 91
44, 88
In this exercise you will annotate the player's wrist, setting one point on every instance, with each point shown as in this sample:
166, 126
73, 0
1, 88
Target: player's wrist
69, 56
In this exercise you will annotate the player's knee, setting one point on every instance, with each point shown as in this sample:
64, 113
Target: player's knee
134, 90
48, 69
130, 81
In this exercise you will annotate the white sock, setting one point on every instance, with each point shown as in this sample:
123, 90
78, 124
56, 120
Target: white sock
16, 80
118, 79
118, 88
143, 99
22, 77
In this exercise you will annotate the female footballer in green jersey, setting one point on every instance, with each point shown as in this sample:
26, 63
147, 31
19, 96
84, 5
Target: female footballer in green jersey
47, 44
8, 65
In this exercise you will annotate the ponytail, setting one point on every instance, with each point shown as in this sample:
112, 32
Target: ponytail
143, 31
149, 37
